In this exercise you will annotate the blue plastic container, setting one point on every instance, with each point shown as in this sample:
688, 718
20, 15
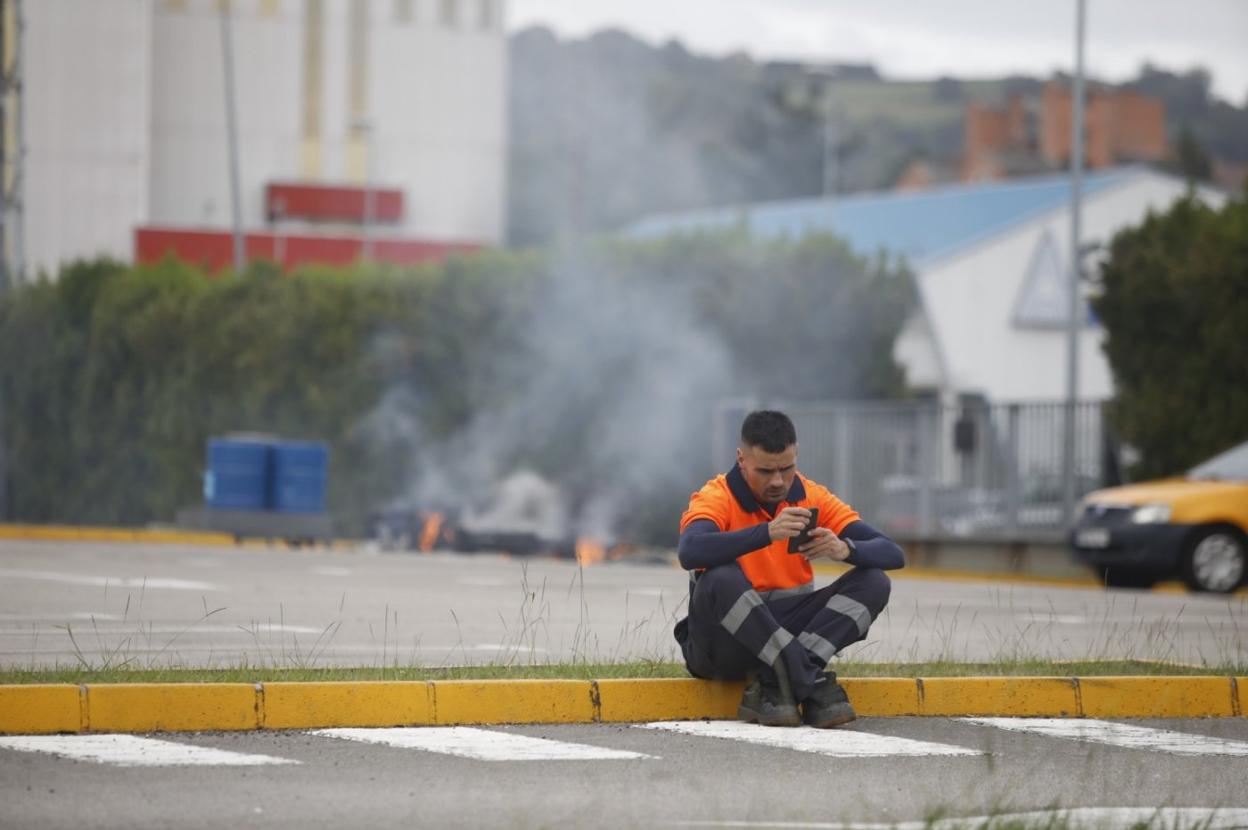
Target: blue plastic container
237, 477
300, 472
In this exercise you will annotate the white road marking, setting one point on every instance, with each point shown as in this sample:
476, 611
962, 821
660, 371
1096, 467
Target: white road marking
134, 751
839, 743
74, 615
1119, 734
484, 582
112, 581
192, 628
492, 647
1102, 818
480, 744
331, 570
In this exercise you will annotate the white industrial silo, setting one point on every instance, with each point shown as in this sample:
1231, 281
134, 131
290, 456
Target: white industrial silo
407, 94
123, 120
77, 143
189, 183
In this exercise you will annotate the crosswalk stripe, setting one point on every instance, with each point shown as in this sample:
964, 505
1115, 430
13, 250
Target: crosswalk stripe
481, 744
839, 743
1119, 734
134, 751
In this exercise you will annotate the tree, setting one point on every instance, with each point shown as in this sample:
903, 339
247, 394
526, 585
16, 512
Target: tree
1174, 301
1191, 159
597, 367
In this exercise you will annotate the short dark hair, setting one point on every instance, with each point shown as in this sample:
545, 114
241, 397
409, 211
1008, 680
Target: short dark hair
768, 430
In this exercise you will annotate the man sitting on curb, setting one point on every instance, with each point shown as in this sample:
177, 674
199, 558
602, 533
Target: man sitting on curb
753, 608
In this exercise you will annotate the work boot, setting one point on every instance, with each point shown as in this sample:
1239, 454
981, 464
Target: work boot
828, 705
768, 703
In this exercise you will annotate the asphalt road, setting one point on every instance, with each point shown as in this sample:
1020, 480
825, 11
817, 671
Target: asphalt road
659, 778
159, 605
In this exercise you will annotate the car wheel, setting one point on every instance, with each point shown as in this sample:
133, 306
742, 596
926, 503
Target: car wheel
1216, 560
1119, 577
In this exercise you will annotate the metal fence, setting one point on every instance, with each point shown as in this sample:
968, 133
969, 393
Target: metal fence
928, 471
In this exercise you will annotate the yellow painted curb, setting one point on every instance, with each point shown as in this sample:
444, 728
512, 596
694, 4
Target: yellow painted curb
882, 697
346, 703
172, 707
625, 700
68, 533
999, 696
71, 533
195, 707
1157, 697
40, 709
927, 574
949, 574
513, 701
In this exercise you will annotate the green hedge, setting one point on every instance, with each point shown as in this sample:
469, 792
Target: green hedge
429, 381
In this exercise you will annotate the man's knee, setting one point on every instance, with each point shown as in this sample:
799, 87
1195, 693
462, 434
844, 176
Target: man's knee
873, 587
724, 580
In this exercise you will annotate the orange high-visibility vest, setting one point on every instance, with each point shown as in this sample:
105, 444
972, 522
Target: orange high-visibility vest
727, 501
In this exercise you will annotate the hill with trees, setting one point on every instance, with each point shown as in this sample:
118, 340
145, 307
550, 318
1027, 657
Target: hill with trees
608, 128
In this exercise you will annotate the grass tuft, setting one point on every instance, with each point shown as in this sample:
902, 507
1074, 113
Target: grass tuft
586, 671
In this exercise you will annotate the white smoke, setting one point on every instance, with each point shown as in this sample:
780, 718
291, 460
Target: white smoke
608, 396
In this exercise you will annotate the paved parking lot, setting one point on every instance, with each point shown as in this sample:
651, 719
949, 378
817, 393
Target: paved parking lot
879, 771
188, 605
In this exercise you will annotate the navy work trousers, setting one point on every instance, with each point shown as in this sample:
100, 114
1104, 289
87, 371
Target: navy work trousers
734, 631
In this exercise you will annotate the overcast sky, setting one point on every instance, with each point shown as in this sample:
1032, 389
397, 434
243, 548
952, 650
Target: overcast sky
926, 38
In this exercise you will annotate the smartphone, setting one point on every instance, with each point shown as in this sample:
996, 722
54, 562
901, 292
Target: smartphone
804, 537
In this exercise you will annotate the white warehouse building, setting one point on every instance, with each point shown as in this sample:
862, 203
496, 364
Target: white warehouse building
373, 126
991, 264
981, 452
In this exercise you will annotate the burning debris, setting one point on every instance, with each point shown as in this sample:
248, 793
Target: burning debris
527, 516
589, 551
431, 531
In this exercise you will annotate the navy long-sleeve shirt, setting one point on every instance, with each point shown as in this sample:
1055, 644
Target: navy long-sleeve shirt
704, 545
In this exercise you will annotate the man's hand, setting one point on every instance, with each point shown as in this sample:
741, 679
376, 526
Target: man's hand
789, 522
824, 544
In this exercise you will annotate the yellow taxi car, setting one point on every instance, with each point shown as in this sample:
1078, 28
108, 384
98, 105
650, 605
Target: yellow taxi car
1194, 527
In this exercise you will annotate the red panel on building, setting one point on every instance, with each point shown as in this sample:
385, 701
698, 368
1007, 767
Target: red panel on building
330, 203
214, 250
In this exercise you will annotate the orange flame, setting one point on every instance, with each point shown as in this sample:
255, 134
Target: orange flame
589, 551
429, 533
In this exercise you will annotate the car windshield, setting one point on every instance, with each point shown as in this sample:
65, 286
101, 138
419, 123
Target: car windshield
1232, 464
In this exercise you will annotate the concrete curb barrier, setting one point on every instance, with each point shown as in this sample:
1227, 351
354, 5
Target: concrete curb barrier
157, 536
72, 533
201, 707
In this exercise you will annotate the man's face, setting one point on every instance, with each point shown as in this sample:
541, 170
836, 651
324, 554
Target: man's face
769, 474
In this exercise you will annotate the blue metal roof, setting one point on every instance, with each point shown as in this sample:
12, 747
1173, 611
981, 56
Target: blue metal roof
917, 225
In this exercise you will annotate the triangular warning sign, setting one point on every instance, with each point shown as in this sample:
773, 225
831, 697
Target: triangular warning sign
1043, 299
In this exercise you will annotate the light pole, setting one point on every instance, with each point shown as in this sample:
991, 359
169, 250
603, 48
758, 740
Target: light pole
365, 128
1073, 323
231, 129
11, 219
830, 172
12, 157
831, 163
279, 246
